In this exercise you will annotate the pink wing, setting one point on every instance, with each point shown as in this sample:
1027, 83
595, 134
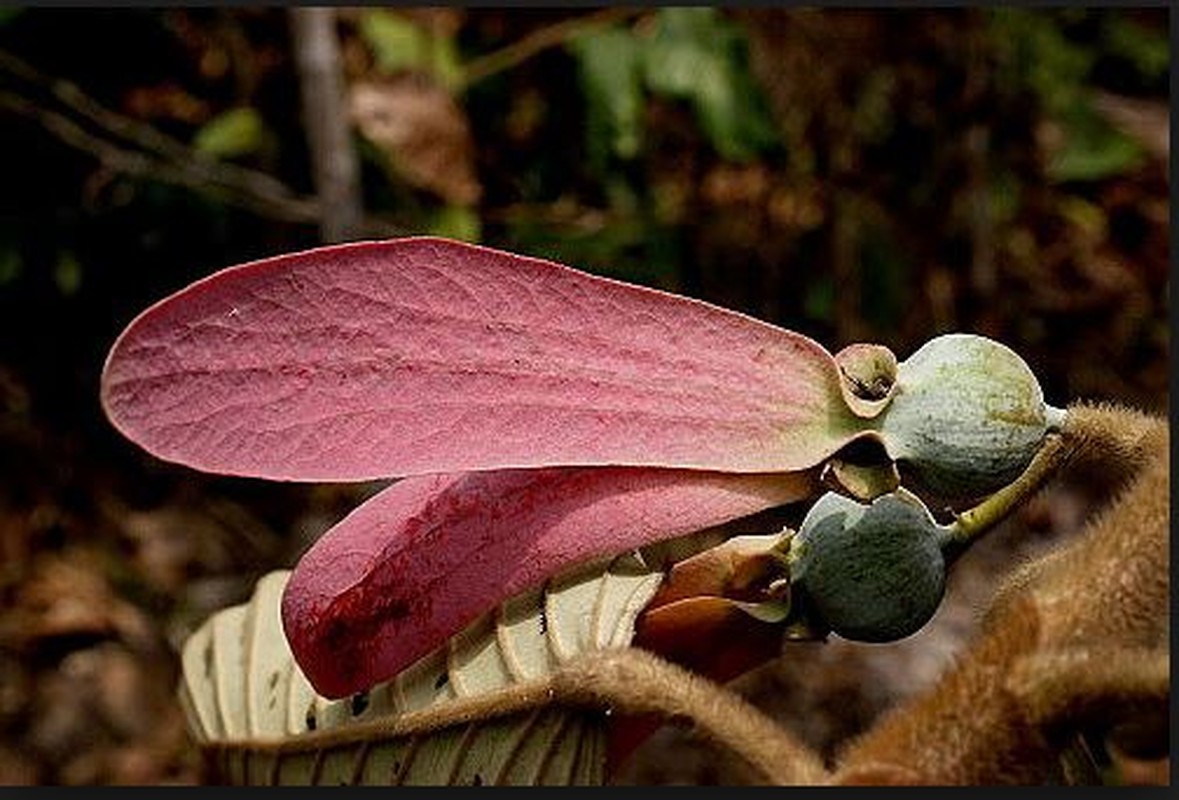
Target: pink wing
426, 556
414, 356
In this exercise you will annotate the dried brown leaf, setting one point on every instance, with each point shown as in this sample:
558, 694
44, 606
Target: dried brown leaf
424, 133
64, 598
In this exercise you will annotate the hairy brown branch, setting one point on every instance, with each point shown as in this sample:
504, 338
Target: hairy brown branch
505, 702
633, 681
1109, 588
1082, 685
621, 681
1123, 555
1076, 637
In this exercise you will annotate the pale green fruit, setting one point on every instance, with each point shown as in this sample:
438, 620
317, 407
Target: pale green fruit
966, 416
873, 573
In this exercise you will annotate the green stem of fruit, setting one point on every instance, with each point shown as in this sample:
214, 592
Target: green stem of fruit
998, 506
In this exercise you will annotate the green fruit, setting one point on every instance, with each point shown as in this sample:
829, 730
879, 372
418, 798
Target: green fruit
966, 416
873, 573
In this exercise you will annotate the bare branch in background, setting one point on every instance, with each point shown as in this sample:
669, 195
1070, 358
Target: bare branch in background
544, 38
142, 135
195, 174
133, 147
325, 115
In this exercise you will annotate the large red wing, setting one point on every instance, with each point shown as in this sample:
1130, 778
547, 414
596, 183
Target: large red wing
424, 557
414, 356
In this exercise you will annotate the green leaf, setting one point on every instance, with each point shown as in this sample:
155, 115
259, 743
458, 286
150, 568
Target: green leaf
697, 55
456, 222
8, 13
10, 266
885, 278
67, 273
399, 44
1004, 196
236, 132
819, 300
632, 249
682, 51
1149, 52
1033, 52
608, 64
396, 43
1093, 149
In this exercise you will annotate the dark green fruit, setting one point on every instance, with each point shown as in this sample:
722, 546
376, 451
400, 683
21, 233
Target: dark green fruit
873, 573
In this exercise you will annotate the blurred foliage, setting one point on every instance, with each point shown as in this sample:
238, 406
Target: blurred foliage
697, 55
689, 54
850, 174
1034, 51
10, 265
455, 222
67, 273
232, 133
399, 44
611, 75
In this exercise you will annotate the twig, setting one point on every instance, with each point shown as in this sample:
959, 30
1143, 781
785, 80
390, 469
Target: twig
538, 41
157, 156
141, 134
192, 175
325, 115
633, 681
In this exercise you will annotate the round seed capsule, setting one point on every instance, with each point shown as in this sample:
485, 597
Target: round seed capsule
873, 573
966, 417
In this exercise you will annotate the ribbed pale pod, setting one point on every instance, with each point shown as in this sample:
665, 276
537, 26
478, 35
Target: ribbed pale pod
259, 720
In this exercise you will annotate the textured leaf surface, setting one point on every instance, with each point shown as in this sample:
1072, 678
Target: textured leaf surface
425, 556
412, 356
249, 704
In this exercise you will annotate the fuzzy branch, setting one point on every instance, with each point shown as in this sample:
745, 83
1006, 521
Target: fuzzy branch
1081, 686
1077, 637
1108, 589
632, 681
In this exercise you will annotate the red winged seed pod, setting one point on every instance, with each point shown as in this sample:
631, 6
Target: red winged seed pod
541, 416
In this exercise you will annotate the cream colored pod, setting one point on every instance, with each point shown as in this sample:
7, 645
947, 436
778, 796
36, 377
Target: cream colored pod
966, 416
872, 572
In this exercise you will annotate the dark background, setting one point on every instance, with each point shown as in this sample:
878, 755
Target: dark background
854, 175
